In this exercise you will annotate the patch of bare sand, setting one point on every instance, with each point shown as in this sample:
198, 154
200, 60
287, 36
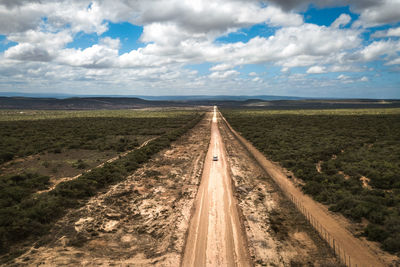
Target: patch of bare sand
278, 235
141, 221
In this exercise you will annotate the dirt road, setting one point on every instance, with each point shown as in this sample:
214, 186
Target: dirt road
216, 237
352, 251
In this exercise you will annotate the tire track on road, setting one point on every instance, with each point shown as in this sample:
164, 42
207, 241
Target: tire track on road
216, 236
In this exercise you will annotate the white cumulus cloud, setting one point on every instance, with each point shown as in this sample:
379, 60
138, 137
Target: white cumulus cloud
223, 74
393, 32
316, 69
342, 20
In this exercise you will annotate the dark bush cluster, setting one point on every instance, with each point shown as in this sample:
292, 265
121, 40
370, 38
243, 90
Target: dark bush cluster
347, 148
24, 214
14, 188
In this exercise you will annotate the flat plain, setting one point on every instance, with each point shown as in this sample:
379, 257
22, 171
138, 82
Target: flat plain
126, 186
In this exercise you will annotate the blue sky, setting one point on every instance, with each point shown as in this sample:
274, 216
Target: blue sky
163, 47
127, 33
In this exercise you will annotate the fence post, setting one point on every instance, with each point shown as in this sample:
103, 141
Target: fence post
338, 252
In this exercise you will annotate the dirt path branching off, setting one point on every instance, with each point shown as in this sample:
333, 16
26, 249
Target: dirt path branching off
65, 179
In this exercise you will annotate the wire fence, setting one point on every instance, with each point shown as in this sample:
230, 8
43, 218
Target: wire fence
338, 250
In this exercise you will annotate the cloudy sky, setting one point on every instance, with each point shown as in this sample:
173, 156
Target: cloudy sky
320, 48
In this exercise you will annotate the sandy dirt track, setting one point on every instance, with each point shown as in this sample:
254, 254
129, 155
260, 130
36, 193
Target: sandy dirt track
216, 236
360, 254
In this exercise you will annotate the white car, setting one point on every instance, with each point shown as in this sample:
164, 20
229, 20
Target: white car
215, 158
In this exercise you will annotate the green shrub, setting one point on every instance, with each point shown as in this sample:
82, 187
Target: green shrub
80, 164
376, 232
392, 243
6, 156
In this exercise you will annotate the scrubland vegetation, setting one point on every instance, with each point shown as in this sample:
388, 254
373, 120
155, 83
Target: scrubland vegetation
348, 159
100, 131
23, 213
16, 115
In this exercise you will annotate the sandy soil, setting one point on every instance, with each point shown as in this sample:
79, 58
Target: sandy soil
278, 235
216, 236
141, 221
350, 246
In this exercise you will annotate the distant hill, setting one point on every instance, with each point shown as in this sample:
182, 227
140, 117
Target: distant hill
78, 103
322, 104
158, 98
82, 103
220, 97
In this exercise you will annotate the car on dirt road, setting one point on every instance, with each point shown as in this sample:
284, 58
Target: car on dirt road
215, 158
